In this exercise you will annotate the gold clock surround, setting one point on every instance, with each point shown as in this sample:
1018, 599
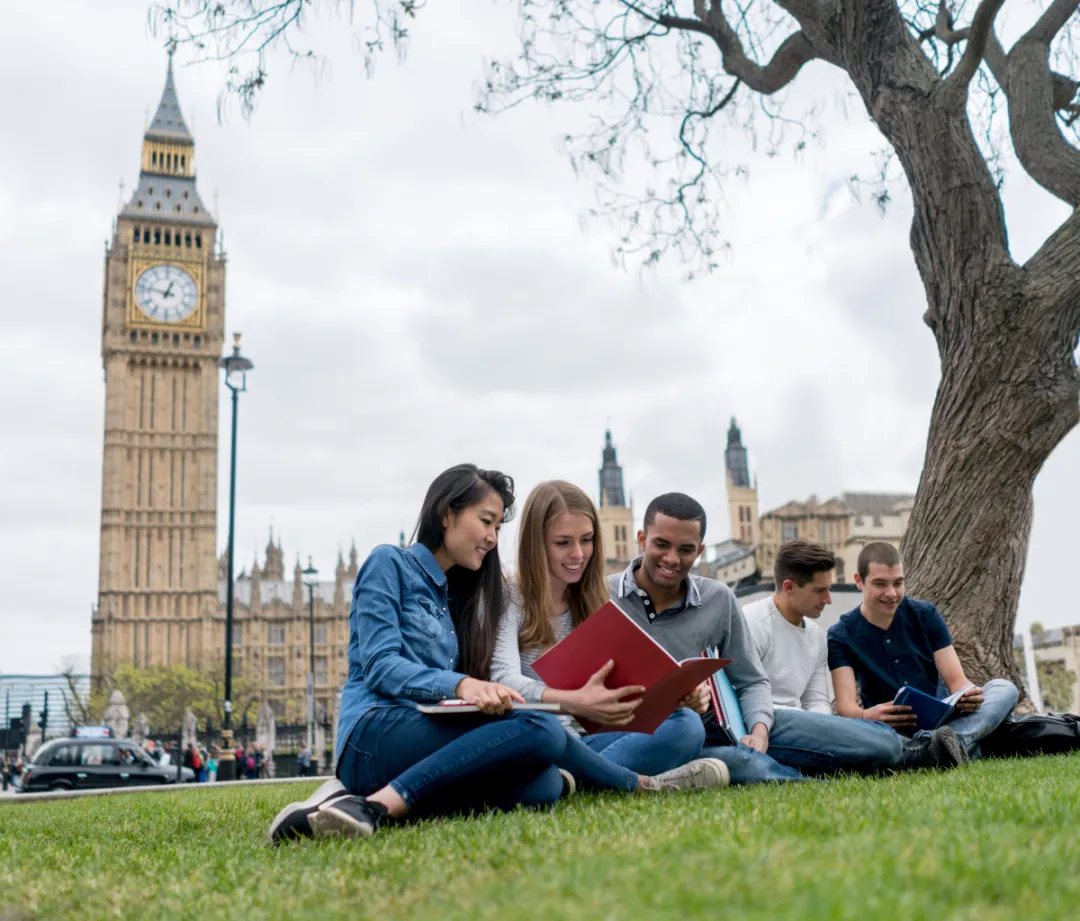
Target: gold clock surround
136, 319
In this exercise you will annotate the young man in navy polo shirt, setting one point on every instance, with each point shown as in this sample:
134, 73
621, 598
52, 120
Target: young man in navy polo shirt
890, 641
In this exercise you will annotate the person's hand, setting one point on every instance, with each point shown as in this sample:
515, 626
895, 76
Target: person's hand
758, 739
604, 705
970, 700
895, 716
698, 699
488, 696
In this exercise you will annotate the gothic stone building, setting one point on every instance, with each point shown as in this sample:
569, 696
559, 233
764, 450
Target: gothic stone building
163, 320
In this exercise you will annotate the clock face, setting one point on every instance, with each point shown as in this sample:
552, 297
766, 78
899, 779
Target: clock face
166, 293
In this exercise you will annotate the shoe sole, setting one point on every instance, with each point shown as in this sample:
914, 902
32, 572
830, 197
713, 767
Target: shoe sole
956, 752
331, 823
321, 795
569, 787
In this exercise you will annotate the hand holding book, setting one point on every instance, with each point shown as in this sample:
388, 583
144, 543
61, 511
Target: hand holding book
596, 703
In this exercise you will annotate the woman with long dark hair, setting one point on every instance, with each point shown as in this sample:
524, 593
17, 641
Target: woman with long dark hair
422, 629
560, 582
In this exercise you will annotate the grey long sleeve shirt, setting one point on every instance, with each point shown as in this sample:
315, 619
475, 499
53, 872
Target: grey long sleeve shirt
709, 617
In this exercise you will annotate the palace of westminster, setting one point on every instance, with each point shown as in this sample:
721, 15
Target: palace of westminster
162, 589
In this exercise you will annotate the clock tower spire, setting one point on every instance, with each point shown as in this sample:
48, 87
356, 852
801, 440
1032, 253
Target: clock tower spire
162, 333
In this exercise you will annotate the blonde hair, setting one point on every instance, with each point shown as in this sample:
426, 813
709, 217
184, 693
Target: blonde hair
544, 504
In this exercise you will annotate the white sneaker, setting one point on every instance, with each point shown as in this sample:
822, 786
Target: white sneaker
569, 785
702, 774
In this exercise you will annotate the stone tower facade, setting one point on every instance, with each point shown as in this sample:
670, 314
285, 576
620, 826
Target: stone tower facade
162, 331
741, 493
616, 516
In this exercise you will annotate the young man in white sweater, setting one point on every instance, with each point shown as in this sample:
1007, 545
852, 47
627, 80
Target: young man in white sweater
794, 652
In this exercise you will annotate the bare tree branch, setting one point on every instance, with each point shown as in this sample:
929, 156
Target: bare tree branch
1053, 20
785, 65
1052, 269
1040, 146
955, 87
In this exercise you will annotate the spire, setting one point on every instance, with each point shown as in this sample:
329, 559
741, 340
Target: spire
166, 188
611, 477
738, 468
168, 122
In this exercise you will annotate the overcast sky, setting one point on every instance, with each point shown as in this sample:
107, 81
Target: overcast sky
416, 288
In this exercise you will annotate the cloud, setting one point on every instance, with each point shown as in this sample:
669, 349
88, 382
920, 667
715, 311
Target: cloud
415, 289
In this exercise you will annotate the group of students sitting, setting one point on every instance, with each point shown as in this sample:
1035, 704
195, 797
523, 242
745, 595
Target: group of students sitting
436, 621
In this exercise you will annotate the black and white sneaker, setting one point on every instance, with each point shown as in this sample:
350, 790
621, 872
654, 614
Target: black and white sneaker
348, 817
292, 821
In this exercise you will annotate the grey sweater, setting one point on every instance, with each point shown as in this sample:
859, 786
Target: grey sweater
511, 665
711, 618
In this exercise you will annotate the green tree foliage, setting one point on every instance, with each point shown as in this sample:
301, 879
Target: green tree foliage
164, 692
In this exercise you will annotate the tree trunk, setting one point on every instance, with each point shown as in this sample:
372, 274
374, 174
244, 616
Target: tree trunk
1006, 335
1007, 397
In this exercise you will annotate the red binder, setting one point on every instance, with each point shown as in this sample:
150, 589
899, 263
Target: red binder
609, 634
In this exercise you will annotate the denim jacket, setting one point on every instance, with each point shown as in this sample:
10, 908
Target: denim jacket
403, 646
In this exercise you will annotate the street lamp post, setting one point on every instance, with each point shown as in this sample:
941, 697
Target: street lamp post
236, 367
311, 580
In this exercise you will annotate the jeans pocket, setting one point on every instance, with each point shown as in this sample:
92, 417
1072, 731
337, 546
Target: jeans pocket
358, 772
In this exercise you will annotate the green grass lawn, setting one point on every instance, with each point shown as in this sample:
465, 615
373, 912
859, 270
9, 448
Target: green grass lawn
996, 840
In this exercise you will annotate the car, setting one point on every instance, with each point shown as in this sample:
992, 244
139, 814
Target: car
88, 764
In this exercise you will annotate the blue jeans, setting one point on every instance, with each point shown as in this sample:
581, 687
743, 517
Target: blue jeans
459, 763
999, 700
677, 740
614, 760
827, 743
745, 765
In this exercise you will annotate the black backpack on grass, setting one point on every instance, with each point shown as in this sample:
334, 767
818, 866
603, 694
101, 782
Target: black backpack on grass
1033, 734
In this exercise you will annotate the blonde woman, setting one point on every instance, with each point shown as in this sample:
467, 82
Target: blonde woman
560, 582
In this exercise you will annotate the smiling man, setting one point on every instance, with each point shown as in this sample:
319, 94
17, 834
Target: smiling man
686, 613
792, 648
890, 641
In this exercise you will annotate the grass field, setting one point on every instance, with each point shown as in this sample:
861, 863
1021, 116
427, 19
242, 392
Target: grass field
997, 840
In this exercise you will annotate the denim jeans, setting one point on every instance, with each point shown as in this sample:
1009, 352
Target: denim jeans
455, 763
827, 743
677, 740
999, 700
745, 765
614, 760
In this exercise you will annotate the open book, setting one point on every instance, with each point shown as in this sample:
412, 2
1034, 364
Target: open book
930, 711
610, 635
455, 705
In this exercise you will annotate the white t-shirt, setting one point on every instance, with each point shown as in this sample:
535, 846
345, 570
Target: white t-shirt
795, 658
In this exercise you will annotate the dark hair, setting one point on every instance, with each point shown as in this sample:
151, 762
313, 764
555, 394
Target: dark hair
476, 597
877, 551
800, 561
676, 505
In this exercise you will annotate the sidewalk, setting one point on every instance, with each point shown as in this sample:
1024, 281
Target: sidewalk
10, 797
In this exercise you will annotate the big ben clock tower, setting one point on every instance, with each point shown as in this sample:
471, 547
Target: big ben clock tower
161, 337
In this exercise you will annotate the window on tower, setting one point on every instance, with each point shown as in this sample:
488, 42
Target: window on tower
135, 234
168, 238
153, 158
187, 240
198, 239
157, 236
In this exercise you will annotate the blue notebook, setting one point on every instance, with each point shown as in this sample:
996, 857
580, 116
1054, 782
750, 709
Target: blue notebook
929, 711
725, 703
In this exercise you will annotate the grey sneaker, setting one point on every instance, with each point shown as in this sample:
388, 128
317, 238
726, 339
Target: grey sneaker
702, 774
946, 749
293, 820
348, 817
